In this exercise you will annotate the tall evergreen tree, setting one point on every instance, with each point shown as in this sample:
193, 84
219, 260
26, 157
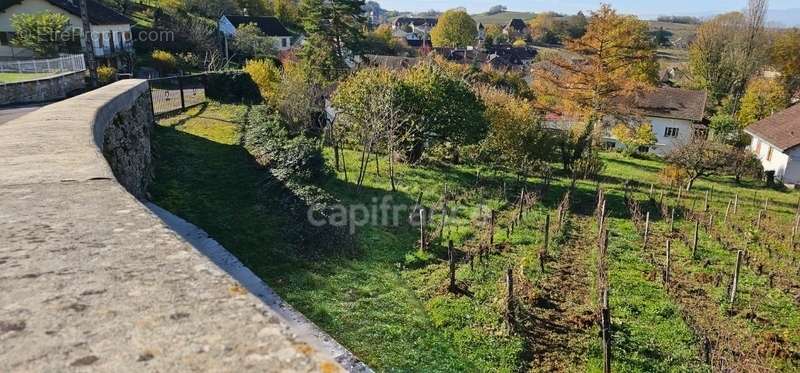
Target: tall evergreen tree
335, 29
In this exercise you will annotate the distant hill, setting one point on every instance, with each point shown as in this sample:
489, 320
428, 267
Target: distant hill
502, 17
678, 30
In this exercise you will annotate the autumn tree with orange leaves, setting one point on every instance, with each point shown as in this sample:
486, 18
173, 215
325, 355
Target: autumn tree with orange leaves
615, 58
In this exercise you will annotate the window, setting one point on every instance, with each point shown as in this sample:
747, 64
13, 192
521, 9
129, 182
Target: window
100, 41
769, 154
610, 145
643, 149
6, 37
671, 132
283, 42
758, 147
127, 36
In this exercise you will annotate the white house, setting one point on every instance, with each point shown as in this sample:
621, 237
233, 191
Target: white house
676, 114
776, 142
110, 31
415, 30
270, 26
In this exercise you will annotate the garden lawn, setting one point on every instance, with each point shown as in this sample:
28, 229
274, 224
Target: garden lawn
19, 77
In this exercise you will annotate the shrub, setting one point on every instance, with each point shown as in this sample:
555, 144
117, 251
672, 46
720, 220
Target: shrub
673, 176
106, 75
232, 86
266, 76
163, 61
589, 166
289, 156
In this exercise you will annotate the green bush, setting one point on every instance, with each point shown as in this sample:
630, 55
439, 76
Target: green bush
232, 86
296, 161
589, 166
289, 156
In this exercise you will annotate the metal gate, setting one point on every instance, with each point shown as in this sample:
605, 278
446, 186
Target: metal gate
177, 93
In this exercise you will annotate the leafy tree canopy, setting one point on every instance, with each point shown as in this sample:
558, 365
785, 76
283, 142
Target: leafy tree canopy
762, 98
455, 29
45, 33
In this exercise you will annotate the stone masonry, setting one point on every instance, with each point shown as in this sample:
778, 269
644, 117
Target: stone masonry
42, 90
90, 279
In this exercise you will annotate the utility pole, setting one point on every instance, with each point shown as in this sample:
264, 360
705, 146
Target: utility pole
88, 46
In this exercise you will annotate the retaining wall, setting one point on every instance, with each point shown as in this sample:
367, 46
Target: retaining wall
42, 90
92, 279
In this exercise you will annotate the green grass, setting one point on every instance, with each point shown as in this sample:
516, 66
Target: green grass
19, 77
389, 303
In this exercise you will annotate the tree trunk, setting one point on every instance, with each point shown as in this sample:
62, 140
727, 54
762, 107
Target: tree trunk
415, 154
391, 166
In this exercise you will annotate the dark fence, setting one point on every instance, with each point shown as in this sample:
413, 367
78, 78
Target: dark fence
176, 93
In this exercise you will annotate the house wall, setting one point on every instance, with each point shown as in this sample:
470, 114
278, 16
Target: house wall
665, 144
28, 6
280, 43
38, 6
786, 165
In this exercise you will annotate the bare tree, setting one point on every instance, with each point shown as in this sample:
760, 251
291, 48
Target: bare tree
699, 157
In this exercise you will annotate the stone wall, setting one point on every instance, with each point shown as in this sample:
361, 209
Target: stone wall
41, 90
126, 146
93, 280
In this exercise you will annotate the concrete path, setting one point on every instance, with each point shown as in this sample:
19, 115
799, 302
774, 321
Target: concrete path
12, 112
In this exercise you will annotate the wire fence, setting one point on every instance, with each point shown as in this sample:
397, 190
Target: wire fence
176, 93
64, 64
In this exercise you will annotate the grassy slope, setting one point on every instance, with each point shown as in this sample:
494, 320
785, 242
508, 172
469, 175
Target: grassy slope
399, 317
18, 77
502, 17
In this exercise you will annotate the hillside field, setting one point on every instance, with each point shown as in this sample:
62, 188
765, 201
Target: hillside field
391, 302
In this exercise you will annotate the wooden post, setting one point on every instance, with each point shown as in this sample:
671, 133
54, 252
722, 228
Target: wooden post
727, 210
705, 204
606, 330
710, 222
735, 283
672, 221
510, 297
646, 230
794, 231
650, 195
452, 259
661, 198
668, 264
758, 221
602, 220
542, 258
491, 228
422, 229
694, 241
735, 202
546, 233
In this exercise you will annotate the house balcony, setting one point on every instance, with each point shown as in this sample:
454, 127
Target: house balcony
112, 51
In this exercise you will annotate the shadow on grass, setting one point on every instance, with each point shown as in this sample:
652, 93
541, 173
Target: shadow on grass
221, 189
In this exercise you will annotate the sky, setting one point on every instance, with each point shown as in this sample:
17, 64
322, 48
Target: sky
642, 8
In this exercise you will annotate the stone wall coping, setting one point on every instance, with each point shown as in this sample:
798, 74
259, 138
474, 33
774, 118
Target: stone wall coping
93, 279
